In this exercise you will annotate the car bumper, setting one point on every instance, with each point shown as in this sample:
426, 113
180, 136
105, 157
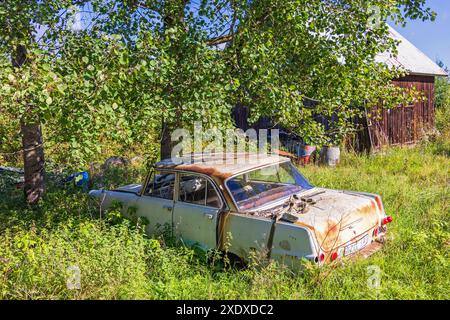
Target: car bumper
368, 250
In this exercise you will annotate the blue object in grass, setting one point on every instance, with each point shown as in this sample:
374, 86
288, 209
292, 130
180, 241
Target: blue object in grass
80, 179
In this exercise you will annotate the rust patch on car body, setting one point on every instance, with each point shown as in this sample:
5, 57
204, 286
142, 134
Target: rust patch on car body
221, 165
337, 218
209, 171
368, 209
285, 153
285, 245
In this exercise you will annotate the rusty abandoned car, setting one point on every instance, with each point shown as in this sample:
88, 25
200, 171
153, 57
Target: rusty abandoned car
254, 203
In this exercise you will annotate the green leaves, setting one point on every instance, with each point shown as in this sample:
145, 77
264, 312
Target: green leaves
131, 67
284, 52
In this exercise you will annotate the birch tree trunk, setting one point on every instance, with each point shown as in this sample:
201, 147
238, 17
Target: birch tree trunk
32, 146
33, 160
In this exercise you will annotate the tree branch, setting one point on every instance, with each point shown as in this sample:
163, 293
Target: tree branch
219, 40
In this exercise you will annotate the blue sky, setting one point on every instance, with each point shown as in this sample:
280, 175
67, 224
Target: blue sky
432, 38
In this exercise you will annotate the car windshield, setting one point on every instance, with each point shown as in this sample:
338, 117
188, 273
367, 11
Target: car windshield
261, 186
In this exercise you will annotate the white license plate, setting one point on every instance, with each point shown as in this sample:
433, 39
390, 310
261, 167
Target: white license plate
356, 246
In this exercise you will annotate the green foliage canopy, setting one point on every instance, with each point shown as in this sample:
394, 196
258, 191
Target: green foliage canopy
132, 65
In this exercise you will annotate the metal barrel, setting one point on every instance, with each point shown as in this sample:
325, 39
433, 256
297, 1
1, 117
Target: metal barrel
330, 155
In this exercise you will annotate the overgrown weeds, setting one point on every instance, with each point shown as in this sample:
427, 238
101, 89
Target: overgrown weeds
45, 253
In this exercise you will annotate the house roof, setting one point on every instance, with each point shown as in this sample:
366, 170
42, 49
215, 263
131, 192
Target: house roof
410, 58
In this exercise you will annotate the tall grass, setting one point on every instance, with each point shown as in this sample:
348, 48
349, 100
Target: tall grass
117, 261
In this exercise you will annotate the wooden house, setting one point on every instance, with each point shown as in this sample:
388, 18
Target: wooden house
403, 125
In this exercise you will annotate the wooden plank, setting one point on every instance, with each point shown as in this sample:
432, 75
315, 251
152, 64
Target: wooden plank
432, 92
403, 125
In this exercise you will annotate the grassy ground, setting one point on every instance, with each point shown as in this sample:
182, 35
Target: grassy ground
41, 250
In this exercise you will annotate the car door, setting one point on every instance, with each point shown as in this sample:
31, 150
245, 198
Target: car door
156, 203
196, 211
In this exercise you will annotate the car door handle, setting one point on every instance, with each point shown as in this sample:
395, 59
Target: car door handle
208, 215
167, 207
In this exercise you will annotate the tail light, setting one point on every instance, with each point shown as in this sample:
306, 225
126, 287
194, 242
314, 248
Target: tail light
334, 256
320, 258
387, 220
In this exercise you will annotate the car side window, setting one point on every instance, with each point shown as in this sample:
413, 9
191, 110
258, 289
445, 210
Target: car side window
198, 190
161, 186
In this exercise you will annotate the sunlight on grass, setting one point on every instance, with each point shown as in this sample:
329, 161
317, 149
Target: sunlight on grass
117, 261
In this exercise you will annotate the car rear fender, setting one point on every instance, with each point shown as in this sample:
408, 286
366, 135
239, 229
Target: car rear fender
292, 243
246, 235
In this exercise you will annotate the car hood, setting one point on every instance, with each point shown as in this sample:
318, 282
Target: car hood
336, 217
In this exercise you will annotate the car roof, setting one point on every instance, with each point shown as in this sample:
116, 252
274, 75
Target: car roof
221, 165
